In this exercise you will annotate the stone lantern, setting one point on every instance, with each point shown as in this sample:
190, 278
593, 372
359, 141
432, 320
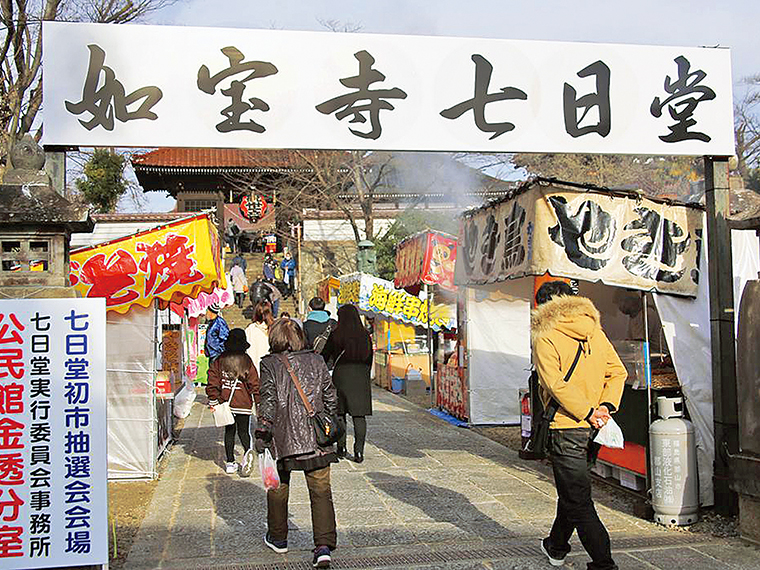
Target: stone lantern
36, 224
366, 257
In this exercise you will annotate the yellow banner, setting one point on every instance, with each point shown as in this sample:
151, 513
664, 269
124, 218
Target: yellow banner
378, 296
179, 260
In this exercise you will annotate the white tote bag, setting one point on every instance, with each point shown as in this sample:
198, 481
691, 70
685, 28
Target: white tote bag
222, 413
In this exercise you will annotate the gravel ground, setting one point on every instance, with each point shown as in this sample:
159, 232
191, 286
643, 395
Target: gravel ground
609, 493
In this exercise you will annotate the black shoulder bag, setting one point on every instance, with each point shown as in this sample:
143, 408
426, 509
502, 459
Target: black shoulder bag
328, 428
535, 447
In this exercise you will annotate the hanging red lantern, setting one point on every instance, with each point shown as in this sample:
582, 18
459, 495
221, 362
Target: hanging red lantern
253, 207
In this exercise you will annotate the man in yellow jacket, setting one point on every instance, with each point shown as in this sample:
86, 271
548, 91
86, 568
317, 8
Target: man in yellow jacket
566, 334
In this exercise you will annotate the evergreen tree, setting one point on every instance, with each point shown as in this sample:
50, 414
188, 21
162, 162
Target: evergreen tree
103, 183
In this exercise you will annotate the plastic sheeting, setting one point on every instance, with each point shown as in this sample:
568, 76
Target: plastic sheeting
686, 323
131, 369
499, 349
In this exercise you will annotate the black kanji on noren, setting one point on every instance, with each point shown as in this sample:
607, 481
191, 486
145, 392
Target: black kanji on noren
488, 245
208, 83
483, 71
655, 247
587, 235
375, 100
470, 246
514, 249
600, 99
685, 94
110, 100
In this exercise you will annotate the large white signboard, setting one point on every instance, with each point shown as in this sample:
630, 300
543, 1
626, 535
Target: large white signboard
142, 86
53, 460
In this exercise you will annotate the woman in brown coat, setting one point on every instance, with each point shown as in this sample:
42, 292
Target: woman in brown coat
234, 373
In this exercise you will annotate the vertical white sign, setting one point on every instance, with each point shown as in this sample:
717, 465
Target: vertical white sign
53, 433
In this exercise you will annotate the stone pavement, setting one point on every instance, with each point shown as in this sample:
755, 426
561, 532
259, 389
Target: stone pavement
428, 495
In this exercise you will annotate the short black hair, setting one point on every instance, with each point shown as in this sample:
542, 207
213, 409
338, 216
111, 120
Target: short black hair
552, 289
317, 304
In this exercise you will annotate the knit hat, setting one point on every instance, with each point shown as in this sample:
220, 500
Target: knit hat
236, 341
214, 308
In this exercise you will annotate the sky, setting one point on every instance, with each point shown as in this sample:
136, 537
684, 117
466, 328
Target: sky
733, 24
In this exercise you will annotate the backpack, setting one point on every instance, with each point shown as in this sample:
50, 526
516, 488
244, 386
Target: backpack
320, 341
260, 292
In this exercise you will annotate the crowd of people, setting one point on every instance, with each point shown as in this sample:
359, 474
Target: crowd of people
251, 370
275, 363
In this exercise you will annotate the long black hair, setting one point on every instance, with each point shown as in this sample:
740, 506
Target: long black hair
350, 336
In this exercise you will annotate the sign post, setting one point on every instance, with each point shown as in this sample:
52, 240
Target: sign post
53, 433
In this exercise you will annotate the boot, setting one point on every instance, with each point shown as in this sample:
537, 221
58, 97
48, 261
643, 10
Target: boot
358, 455
341, 452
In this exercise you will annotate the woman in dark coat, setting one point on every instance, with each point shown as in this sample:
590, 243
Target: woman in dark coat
233, 373
285, 427
350, 348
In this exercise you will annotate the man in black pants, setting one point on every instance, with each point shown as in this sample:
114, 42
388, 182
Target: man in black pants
580, 370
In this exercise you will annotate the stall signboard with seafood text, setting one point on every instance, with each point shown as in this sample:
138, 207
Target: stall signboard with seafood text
178, 86
620, 239
378, 296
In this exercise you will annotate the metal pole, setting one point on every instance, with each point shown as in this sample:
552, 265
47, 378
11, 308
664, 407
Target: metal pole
722, 337
647, 361
428, 292
648, 376
298, 273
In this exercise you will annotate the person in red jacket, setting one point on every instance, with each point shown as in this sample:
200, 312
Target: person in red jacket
233, 373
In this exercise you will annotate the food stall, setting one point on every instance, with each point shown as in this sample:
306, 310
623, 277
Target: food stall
139, 276
631, 256
426, 261
399, 323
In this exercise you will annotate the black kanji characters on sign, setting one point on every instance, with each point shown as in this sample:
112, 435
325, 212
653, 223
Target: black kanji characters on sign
655, 247
490, 242
470, 247
599, 100
698, 246
685, 93
586, 235
514, 250
255, 70
482, 97
104, 97
375, 100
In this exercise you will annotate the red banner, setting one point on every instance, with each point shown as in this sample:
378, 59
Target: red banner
426, 258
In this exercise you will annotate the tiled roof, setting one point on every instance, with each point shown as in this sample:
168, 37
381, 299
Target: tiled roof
140, 217
216, 158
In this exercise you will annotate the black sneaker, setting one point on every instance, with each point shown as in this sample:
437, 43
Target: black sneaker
279, 546
321, 557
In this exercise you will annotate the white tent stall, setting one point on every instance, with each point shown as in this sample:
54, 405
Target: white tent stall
136, 274
613, 244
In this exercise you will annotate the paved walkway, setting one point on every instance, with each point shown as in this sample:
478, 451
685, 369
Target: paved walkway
429, 495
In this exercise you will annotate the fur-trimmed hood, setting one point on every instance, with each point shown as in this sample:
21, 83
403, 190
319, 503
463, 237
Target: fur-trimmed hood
576, 317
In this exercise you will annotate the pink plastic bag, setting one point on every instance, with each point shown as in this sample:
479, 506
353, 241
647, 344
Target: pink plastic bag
268, 467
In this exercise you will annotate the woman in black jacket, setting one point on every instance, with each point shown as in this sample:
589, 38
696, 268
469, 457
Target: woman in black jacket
285, 427
350, 348
233, 369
